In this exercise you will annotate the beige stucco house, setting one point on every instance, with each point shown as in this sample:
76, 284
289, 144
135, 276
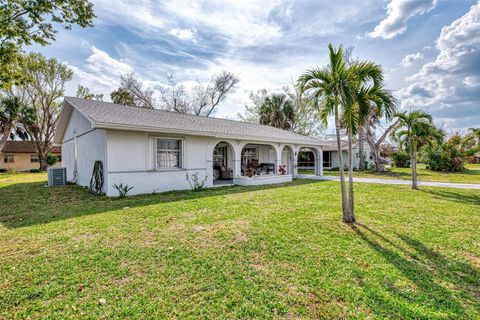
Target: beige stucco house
22, 156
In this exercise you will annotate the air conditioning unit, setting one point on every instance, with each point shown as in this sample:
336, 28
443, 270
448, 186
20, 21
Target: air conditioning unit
57, 177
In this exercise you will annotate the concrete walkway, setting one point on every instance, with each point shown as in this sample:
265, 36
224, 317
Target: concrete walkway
396, 181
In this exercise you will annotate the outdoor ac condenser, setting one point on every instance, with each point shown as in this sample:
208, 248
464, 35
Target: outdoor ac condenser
57, 177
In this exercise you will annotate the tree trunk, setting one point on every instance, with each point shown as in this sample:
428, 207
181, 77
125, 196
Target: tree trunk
345, 210
42, 150
375, 145
413, 157
351, 218
361, 147
5, 134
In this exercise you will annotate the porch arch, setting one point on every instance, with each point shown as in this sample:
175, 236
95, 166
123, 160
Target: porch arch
234, 158
313, 160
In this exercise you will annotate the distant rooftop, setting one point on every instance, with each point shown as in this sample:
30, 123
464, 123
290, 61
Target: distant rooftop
24, 147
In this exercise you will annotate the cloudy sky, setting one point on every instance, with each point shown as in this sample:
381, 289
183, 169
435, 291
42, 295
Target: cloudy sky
430, 49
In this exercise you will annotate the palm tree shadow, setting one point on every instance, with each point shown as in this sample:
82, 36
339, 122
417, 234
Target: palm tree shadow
467, 198
430, 272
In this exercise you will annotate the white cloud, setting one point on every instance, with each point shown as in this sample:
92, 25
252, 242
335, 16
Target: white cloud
451, 80
398, 13
183, 34
472, 81
409, 59
243, 22
101, 72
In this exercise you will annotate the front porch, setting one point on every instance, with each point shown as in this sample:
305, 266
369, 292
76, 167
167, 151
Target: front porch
251, 164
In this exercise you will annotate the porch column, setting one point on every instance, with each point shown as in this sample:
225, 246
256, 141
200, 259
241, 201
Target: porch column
295, 161
278, 160
319, 164
237, 163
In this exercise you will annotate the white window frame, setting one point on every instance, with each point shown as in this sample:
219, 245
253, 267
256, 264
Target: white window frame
34, 155
7, 156
155, 153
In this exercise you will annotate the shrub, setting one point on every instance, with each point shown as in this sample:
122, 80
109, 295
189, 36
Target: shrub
195, 183
34, 170
122, 189
400, 159
52, 159
446, 157
3, 170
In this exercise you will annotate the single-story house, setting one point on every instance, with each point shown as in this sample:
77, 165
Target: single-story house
23, 156
154, 150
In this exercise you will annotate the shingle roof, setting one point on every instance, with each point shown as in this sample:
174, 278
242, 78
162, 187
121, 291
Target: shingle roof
106, 114
24, 147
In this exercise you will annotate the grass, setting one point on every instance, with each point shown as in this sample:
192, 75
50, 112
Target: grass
237, 252
471, 175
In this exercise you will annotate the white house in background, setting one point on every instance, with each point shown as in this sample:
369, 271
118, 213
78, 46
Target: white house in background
330, 155
153, 150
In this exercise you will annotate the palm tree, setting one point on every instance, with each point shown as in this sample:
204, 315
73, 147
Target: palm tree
368, 97
415, 128
12, 114
381, 104
331, 87
277, 111
475, 132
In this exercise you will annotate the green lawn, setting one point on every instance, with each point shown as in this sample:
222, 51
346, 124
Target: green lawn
237, 252
472, 175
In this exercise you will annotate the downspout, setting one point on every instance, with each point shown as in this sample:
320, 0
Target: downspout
75, 158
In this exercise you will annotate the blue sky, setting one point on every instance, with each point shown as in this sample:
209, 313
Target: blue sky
430, 49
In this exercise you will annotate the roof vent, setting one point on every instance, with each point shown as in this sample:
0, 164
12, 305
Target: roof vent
57, 177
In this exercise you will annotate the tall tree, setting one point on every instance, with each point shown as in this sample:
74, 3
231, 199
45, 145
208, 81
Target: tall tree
42, 91
380, 105
415, 128
365, 82
86, 93
123, 97
303, 120
475, 134
251, 113
306, 121
331, 87
277, 110
142, 97
204, 99
23, 23
12, 113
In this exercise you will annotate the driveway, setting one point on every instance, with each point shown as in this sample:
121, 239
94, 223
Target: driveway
396, 181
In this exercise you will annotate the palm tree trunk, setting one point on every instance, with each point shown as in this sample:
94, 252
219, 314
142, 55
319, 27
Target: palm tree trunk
351, 218
413, 159
345, 210
361, 147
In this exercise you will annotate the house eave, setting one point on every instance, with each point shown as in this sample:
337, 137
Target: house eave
111, 126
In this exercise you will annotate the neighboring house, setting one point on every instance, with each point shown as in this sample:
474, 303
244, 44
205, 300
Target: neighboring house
22, 156
153, 150
330, 155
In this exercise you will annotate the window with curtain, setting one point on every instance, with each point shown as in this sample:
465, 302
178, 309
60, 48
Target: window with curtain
169, 153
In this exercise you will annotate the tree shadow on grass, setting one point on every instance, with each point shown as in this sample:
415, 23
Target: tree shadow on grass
442, 286
448, 194
25, 204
